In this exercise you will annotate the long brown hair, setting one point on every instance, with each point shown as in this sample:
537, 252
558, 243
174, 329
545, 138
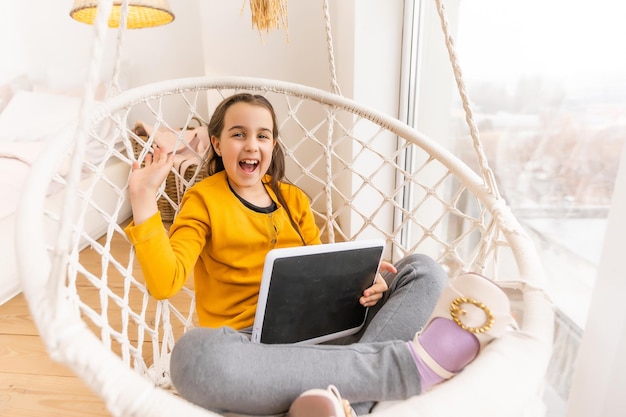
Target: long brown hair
276, 170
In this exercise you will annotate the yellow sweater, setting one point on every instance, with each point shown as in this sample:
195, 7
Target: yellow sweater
225, 242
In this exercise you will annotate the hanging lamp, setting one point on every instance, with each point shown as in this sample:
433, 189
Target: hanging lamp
141, 13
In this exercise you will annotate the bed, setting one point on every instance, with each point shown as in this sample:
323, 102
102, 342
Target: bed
30, 121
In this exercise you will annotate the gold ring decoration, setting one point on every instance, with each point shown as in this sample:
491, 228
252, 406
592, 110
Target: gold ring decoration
456, 311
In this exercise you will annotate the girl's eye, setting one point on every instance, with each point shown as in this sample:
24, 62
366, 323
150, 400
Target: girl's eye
238, 135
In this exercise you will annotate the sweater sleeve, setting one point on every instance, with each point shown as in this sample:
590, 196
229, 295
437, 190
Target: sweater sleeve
167, 261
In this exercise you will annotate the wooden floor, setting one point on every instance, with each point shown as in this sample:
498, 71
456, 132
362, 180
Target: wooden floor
32, 384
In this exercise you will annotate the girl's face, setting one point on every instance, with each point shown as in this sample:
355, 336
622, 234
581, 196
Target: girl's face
246, 145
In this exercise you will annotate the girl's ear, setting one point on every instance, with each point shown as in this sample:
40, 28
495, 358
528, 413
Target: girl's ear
215, 142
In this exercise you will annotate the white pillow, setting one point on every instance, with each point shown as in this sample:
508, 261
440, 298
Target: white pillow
39, 116
34, 116
10, 86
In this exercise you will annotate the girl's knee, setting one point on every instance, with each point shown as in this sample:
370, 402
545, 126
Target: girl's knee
199, 356
422, 268
422, 264
203, 342
420, 261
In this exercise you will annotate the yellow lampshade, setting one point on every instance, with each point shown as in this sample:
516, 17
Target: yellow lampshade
141, 13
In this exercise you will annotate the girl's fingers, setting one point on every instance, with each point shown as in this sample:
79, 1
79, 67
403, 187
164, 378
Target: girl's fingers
158, 155
161, 156
387, 266
371, 300
375, 292
380, 284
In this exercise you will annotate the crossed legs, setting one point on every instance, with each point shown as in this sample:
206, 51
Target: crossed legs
220, 369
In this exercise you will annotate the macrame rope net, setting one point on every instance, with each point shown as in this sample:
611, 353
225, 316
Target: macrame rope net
367, 174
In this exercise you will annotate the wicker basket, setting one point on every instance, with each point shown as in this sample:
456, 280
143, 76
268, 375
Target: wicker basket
176, 182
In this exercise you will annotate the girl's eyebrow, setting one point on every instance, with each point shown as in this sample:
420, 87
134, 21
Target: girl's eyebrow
236, 127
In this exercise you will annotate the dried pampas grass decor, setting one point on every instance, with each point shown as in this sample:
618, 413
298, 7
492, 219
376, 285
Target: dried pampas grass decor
269, 14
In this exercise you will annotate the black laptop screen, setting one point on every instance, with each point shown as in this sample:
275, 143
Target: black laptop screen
314, 295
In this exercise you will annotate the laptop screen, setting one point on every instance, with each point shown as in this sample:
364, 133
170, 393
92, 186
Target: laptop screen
315, 297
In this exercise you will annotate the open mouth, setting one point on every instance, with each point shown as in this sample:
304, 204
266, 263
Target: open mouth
248, 165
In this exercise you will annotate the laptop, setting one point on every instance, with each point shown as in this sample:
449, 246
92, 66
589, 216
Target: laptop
310, 294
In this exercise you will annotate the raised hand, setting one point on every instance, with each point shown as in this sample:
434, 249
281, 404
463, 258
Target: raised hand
144, 183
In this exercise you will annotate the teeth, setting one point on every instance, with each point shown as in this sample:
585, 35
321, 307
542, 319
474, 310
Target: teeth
250, 161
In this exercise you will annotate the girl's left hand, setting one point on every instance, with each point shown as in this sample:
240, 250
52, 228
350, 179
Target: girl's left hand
374, 293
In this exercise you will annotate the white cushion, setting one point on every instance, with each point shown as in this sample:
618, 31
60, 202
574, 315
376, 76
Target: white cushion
41, 116
34, 116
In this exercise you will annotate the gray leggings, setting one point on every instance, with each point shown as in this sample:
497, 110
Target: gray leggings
221, 370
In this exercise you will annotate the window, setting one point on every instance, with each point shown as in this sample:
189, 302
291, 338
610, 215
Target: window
550, 101
548, 92
547, 82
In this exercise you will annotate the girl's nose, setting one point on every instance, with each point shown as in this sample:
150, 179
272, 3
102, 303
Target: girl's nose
251, 145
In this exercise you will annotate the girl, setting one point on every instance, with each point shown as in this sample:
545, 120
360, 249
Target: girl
226, 225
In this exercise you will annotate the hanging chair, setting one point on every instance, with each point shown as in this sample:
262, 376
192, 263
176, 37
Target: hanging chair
367, 174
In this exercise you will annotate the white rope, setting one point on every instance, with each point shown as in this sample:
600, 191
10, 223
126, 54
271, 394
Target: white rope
114, 87
486, 172
59, 258
334, 85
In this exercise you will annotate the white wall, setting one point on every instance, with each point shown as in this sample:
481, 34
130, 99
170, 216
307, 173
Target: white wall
215, 38
12, 56
56, 50
233, 47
